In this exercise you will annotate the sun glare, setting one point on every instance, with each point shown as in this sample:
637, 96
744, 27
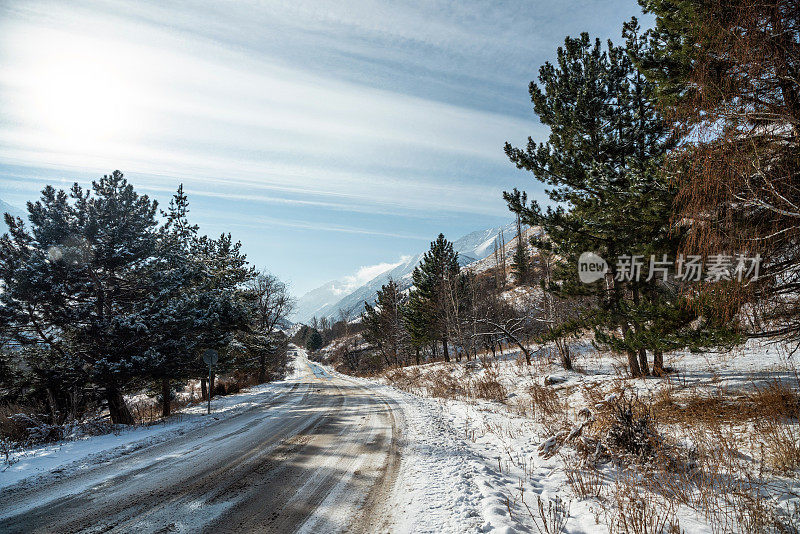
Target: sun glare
83, 93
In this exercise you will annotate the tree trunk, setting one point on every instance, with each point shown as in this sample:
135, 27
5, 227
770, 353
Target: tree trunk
117, 409
262, 368
211, 378
204, 388
444, 349
633, 364
51, 401
166, 404
563, 352
416, 354
658, 363
644, 367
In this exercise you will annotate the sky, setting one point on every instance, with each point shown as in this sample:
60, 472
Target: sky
331, 138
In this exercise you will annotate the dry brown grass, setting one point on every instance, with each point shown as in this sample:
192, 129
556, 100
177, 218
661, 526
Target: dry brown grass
488, 385
774, 399
636, 512
583, 478
781, 442
546, 403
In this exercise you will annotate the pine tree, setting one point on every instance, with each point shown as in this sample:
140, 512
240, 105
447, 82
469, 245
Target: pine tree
74, 281
730, 75
431, 299
172, 302
602, 161
384, 323
416, 321
521, 262
314, 342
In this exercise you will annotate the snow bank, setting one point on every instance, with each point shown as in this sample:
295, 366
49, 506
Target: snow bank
56, 459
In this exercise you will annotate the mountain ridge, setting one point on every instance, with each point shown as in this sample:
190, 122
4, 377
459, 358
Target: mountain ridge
324, 301
5, 207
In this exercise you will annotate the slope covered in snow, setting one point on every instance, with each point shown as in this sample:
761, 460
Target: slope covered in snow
5, 207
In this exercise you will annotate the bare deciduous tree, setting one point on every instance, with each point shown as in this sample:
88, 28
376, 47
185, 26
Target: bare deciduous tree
273, 304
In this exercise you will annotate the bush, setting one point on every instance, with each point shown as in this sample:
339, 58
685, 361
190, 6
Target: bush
632, 432
489, 387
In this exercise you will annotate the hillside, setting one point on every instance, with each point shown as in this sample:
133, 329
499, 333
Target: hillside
5, 207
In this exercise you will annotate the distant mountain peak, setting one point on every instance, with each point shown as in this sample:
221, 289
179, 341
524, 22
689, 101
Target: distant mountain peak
328, 299
5, 207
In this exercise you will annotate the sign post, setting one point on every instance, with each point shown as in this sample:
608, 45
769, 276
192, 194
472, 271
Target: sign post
211, 357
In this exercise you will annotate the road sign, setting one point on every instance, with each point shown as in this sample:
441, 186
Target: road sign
211, 357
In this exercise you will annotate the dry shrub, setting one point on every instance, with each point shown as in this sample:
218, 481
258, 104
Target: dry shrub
584, 478
145, 411
624, 430
231, 385
717, 480
404, 379
781, 445
632, 432
776, 399
20, 429
489, 387
441, 383
28, 429
770, 410
545, 402
10, 429
551, 518
634, 512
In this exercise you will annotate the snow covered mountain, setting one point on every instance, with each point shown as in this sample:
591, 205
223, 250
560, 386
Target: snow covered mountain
328, 299
5, 207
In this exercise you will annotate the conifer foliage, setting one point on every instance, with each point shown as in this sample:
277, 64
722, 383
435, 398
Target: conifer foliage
100, 287
433, 300
602, 162
730, 72
384, 324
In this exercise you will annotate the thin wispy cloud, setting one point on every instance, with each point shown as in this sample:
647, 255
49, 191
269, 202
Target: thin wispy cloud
385, 116
365, 273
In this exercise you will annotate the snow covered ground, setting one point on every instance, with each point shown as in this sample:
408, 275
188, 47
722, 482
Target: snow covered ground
61, 458
466, 464
473, 465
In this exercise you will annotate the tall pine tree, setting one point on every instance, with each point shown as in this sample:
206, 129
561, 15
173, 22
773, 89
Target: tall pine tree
602, 162
384, 323
75, 281
435, 280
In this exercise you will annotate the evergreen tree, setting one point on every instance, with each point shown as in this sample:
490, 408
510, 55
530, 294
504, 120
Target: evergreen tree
602, 161
74, 281
314, 342
730, 71
384, 323
415, 320
435, 280
521, 262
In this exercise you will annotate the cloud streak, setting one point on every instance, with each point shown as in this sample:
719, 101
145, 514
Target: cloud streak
386, 117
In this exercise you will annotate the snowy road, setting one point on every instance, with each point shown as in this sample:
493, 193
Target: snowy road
321, 455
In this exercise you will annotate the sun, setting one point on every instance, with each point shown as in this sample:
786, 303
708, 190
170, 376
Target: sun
84, 93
